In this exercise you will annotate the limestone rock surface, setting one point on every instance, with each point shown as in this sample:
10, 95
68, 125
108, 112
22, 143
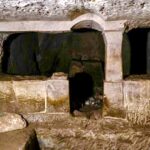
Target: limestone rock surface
11, 121
24, 139
63, 9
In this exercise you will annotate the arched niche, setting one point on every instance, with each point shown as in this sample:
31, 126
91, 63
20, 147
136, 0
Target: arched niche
88, 24
135, 52
93, 68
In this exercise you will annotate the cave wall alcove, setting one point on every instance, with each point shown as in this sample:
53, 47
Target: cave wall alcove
32, 53
136, 71
107, 66
42, 54
136, 52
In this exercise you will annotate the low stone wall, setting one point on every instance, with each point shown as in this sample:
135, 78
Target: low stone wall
114, 93
137, 101
129, 99
33, 94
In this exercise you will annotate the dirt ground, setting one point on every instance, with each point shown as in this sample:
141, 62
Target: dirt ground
73, 133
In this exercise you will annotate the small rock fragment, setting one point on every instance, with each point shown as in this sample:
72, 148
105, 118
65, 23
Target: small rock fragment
11, 121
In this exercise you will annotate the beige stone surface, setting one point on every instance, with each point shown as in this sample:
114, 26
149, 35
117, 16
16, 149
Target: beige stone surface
59, 76
24, 139
97, 23
57, 95
113, 71
67, 9
11, 121
30, 95
6, 88
137, 101
114, 93
7, 97
110, 133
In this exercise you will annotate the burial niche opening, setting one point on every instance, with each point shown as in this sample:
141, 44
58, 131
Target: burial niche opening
36, 54
86, 69
136, 53
20, 54
79, 54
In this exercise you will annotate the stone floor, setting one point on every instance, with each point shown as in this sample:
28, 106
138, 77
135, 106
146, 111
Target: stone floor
62, 131
59, 131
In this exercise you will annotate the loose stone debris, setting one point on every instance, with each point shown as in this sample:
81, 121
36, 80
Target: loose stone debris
11, 121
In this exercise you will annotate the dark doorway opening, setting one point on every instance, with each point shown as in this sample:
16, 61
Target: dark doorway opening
136, 52
81, 89
86, 69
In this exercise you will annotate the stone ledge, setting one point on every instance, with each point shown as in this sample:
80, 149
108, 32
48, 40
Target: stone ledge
24, 139
11, 121
30, 96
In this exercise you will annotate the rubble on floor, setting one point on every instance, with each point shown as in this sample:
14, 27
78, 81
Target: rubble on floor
61, 131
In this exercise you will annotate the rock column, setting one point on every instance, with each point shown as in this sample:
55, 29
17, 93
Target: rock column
114, 71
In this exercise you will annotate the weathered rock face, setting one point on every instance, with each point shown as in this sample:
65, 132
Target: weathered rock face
66, 9
137, 100
64, 132
33, 94
11, 121
24, 139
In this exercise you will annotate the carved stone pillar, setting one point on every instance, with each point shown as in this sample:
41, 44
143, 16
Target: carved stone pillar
113, 86
113, 68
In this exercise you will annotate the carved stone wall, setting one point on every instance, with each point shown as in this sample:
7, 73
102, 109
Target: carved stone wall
68, 9
113, 16
3, 37
33, 94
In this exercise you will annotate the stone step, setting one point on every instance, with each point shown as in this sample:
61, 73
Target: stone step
24, 139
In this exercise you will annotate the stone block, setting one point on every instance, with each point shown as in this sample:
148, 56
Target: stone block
57, 95
7, 97
30, 95
137, 101
114, 94
113, 61
11, 121
24, 139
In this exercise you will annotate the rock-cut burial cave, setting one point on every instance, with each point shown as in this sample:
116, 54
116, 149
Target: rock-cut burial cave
79, 54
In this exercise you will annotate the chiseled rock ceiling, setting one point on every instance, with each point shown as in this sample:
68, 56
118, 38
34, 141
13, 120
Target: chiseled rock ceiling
69, 9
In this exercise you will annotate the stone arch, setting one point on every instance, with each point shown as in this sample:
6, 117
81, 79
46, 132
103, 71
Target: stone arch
91, 21
94, 21
88, 24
